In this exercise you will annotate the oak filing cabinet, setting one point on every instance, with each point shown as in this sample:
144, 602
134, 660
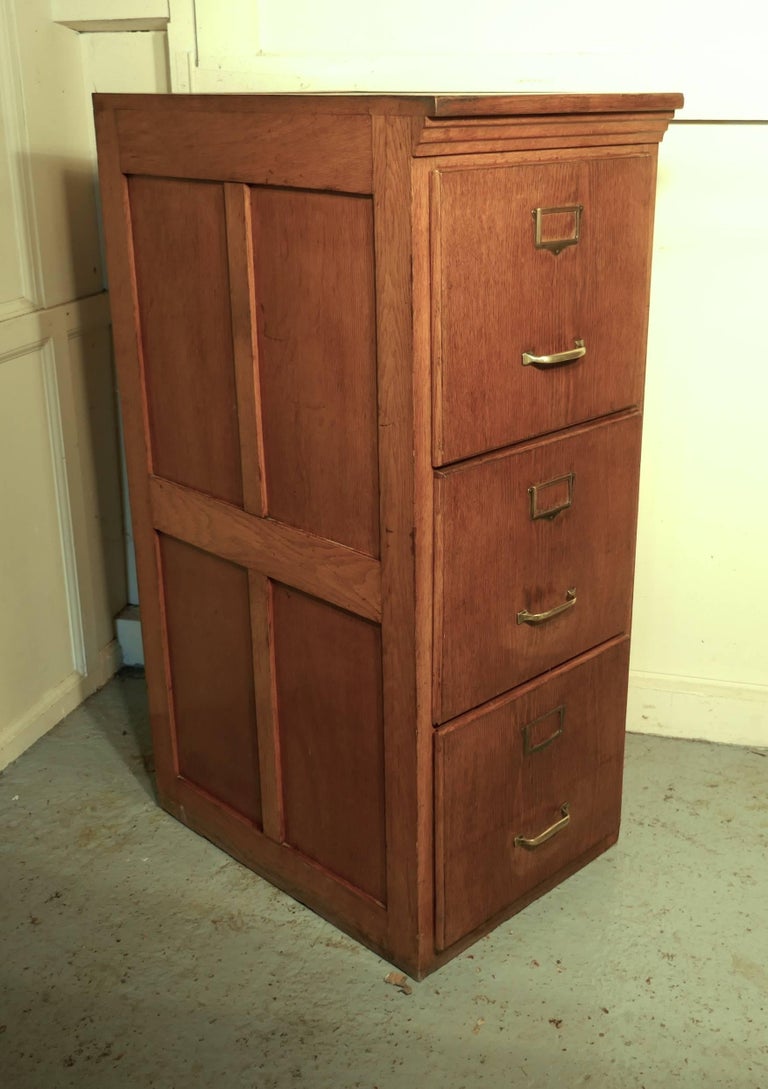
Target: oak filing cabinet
381, 366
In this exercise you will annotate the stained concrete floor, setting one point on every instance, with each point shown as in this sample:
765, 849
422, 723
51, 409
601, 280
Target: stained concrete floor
133, 953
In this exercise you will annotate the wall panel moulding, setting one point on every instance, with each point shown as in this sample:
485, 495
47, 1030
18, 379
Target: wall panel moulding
98, 16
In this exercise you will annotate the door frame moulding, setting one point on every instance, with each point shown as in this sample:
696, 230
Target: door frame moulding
49, 351
22, 192
49, 332
45, 349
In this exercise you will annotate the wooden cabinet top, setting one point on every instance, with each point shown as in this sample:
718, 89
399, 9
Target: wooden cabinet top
327, 141
442, 106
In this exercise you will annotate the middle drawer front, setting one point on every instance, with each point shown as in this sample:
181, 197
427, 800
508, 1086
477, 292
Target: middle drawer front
534, 559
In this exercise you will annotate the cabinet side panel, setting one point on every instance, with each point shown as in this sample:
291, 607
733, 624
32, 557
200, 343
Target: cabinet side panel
208, 629
182, 278
314, 284
329, 708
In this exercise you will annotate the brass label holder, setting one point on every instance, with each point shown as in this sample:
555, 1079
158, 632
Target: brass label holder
529, 744
561, 490
556, 245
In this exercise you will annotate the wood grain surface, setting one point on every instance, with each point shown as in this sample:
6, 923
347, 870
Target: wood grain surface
489, 790
208, 634
493, 560
315, 304
304, 149
321, 567
329, 714
186, 333
317, 300
497, 296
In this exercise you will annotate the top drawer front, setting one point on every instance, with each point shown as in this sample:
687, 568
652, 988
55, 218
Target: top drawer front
498, 296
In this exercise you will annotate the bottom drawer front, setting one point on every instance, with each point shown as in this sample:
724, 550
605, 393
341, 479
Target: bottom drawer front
526, 786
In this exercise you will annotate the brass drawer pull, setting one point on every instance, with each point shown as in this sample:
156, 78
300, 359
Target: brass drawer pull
548, 833
553, 360
524, 617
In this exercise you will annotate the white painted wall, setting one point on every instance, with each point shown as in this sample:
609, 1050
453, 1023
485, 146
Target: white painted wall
700, 655
715, 57
700, 633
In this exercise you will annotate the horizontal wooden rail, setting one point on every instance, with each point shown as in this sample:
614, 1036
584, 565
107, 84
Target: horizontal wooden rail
323, 568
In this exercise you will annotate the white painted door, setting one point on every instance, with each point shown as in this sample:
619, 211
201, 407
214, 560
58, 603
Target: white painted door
61, 563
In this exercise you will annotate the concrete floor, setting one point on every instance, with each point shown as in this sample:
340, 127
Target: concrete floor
133, 953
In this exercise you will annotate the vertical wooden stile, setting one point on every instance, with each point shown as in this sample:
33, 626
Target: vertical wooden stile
262, 636
424, 542
126, 334
245, 342
406, 529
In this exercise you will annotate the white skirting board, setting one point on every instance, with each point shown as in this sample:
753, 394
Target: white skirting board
17, 736
128, 626
688, 707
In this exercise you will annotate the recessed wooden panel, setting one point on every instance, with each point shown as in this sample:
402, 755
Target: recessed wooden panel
497, 296
495, 559
208, 631
492, 787
182, 280
313, 256
329, 709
